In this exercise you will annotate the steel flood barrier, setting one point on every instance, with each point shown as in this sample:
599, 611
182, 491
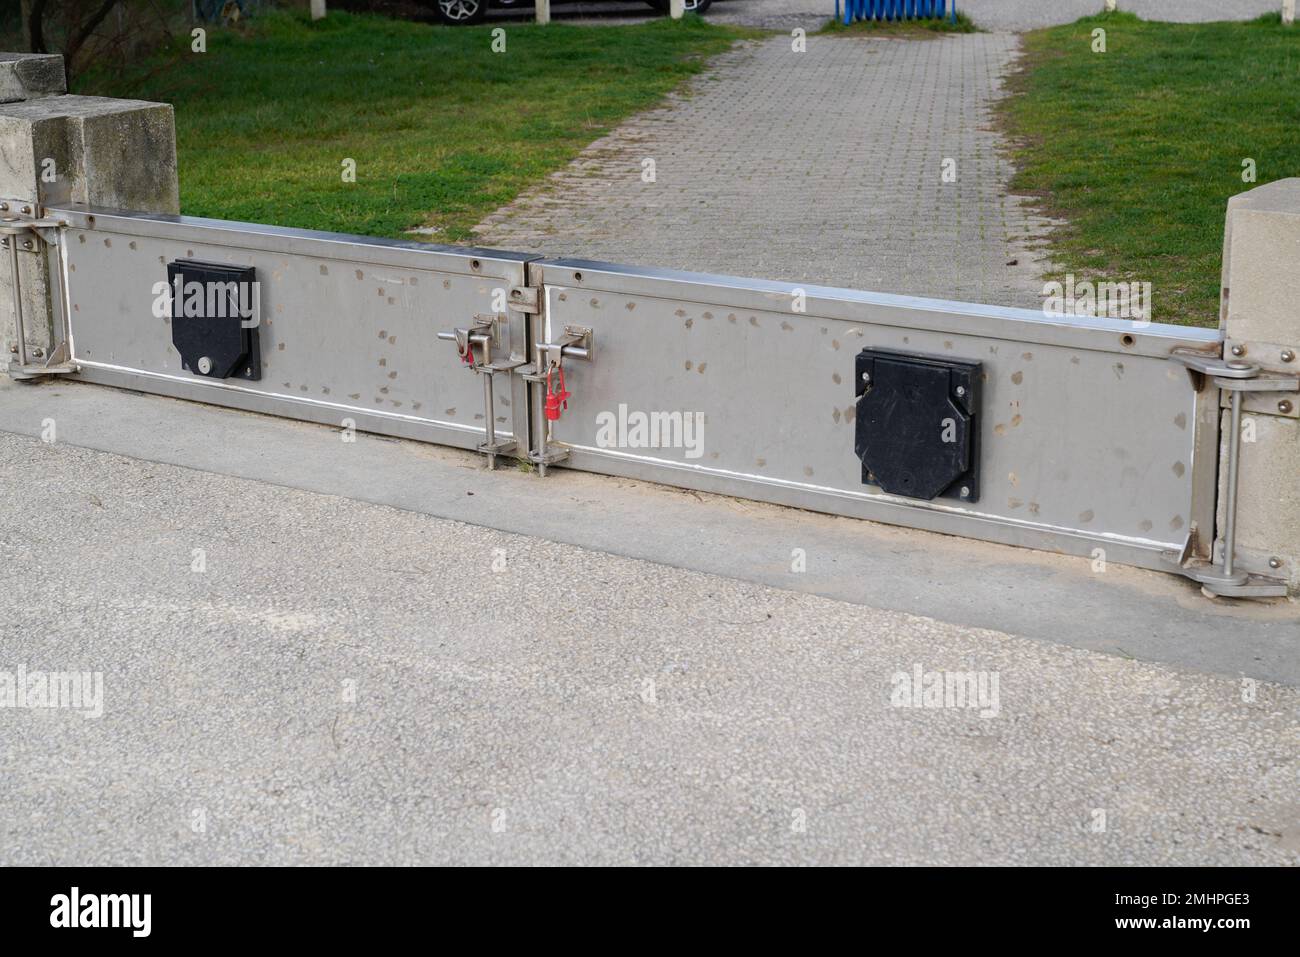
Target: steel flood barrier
1069, 434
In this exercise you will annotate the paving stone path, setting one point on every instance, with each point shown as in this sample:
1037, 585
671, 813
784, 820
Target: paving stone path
824, 166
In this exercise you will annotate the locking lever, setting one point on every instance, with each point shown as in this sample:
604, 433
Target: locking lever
484, 335
577, 342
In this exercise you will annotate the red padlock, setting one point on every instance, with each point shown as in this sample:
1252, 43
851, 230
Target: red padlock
556, 401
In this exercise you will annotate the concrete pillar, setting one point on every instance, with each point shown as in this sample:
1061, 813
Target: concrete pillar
1260, 316
318, 9
29, 76
676, 9
543, 10
56, 148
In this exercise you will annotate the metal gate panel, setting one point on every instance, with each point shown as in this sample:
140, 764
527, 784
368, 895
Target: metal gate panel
349, 325
1091, 436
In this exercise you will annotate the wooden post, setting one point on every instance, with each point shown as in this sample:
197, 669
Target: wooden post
1288, 11
676, 8
543, 11
317, 9
1110, 6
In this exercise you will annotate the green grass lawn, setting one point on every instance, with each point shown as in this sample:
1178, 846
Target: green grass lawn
442, 129
1139, 148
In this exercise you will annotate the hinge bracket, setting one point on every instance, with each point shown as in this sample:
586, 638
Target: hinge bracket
1234, 378
525, 299
24, 228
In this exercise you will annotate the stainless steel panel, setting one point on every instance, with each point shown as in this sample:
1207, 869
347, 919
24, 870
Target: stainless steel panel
348, 324
1090, 436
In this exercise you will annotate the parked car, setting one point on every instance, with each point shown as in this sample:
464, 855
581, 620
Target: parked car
457, 13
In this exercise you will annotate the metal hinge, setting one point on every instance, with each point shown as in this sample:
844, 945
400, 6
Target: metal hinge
1235, 378
25, 228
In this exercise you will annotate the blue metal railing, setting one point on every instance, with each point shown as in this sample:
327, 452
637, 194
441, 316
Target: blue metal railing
896, 10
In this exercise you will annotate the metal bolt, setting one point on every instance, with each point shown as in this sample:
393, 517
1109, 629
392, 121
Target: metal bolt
866, 377
961, 390
1238, 350
4, 207
965, 491
205, 365
1275, 563
26, 210
27, 244
13, 349
1287, 355
38, 352
1284, 406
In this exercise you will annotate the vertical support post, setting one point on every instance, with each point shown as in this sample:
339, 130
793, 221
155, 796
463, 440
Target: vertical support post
1261, 325
15, 273
676, 9
1110, 6
489, 414
1234, 469
318, 9
543, 8
539, 408
1288, 12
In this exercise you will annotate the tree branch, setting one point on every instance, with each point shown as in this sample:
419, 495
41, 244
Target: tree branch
78, 37
35, 27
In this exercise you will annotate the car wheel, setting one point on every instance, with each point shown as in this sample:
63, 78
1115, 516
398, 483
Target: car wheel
690, 6
459, 13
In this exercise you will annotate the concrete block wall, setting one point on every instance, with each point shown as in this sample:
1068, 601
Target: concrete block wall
28, 76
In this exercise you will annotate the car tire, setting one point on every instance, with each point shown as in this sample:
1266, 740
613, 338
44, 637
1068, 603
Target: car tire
692, 6
459, 13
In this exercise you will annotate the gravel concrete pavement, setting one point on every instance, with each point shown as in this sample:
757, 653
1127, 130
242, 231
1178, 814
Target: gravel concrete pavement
296, 678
